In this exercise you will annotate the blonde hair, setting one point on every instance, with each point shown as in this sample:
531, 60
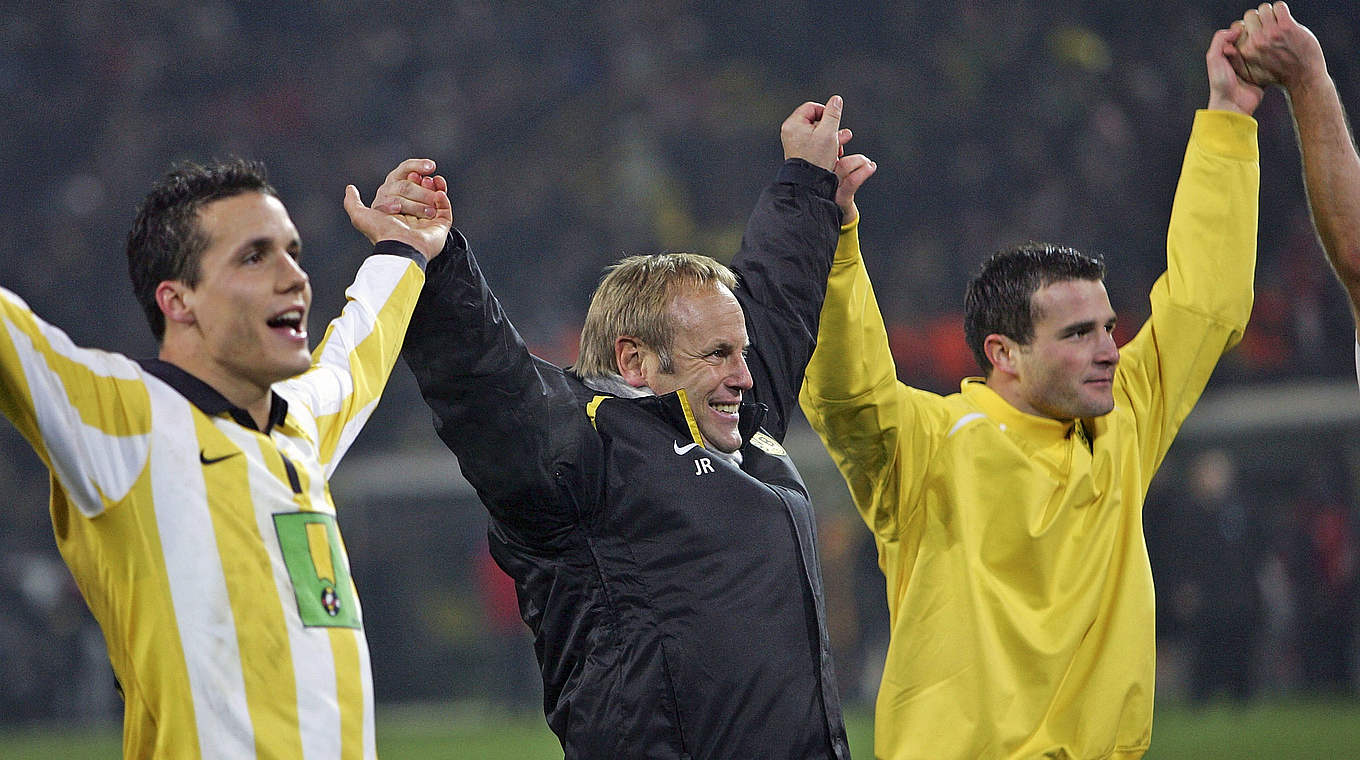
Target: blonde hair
634, 298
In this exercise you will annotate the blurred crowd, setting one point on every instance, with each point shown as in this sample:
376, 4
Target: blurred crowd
572, 133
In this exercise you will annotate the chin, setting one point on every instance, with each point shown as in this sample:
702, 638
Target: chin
726, 443
1100, 409
291, 369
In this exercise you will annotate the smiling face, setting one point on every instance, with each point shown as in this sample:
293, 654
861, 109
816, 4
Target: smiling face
708, 360
1067, 371
242, 327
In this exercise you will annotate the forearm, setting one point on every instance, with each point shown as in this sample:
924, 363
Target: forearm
785, 256
852, 356
1201, 305
1331, 173
1211, 240
460, 339
508, 417
351, 364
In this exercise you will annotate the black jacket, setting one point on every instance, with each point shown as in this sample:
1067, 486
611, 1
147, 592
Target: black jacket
676, 600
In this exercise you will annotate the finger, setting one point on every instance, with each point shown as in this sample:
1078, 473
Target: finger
1282, 13
352, 197
419, 166
1267, 13
409, 207
440, 183
443, 209
1252, 21
1239, 64
844, 136
848, 165
807, 113
831, 115
1215, 57
852, 182
406, 196
354, 207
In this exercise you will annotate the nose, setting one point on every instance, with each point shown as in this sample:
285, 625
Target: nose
292, 277
1108, 353
740, 375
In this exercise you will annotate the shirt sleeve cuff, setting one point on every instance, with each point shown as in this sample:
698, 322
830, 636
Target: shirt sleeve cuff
1226, 133
396, 248
797, 171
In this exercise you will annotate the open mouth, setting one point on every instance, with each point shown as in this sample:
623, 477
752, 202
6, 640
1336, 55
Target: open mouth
289, 322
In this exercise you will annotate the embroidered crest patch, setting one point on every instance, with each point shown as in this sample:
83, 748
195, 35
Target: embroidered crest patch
310, 542
768, 444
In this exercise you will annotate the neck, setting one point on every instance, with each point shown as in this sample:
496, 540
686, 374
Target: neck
256, 400
1008, 389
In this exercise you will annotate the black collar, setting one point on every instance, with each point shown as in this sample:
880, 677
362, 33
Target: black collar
208, 400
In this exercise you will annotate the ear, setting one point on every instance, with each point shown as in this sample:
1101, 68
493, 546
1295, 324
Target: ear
628, 356
1002, 352
175, 300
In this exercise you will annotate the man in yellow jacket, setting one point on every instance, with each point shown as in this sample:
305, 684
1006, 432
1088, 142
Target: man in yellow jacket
1008, 516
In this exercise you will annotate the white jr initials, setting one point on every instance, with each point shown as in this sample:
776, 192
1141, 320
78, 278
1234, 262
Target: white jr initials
702, 466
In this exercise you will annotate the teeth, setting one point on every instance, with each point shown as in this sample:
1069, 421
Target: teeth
291, 318
726, 408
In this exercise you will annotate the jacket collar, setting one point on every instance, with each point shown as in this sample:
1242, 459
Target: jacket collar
674, 408
1041, 430
208, 400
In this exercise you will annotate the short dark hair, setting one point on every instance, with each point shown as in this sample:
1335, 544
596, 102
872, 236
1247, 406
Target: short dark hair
999, 298
165, 242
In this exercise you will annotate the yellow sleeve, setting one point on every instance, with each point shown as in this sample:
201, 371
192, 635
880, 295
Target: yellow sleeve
351, 364
1201, 304
870, 423
85, 412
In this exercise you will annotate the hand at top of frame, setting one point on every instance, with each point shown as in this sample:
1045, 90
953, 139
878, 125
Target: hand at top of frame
412, 206
813, 133
1274, 49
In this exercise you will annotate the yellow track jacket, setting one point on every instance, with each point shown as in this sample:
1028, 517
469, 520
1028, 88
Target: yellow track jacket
1019, 590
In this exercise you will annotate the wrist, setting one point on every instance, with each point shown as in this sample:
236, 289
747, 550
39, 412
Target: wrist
1311, 82
1224, 103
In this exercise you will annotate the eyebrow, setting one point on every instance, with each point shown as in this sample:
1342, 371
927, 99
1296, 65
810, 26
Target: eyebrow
726, 345
1089, 324
254, 244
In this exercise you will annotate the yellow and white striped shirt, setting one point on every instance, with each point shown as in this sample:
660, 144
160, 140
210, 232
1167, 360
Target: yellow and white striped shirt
208, 551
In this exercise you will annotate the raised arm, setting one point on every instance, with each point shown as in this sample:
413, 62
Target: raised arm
84, 412
511, 419
1201, 304
1275, 49
785, 256
351, 364
872, 425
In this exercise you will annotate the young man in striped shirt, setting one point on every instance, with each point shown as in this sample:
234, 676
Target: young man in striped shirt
188, 492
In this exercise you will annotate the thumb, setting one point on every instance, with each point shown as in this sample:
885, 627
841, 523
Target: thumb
831, 115
352, 201
353, 205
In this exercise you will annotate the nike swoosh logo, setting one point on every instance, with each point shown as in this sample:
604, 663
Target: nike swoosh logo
202, 457
682, 449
